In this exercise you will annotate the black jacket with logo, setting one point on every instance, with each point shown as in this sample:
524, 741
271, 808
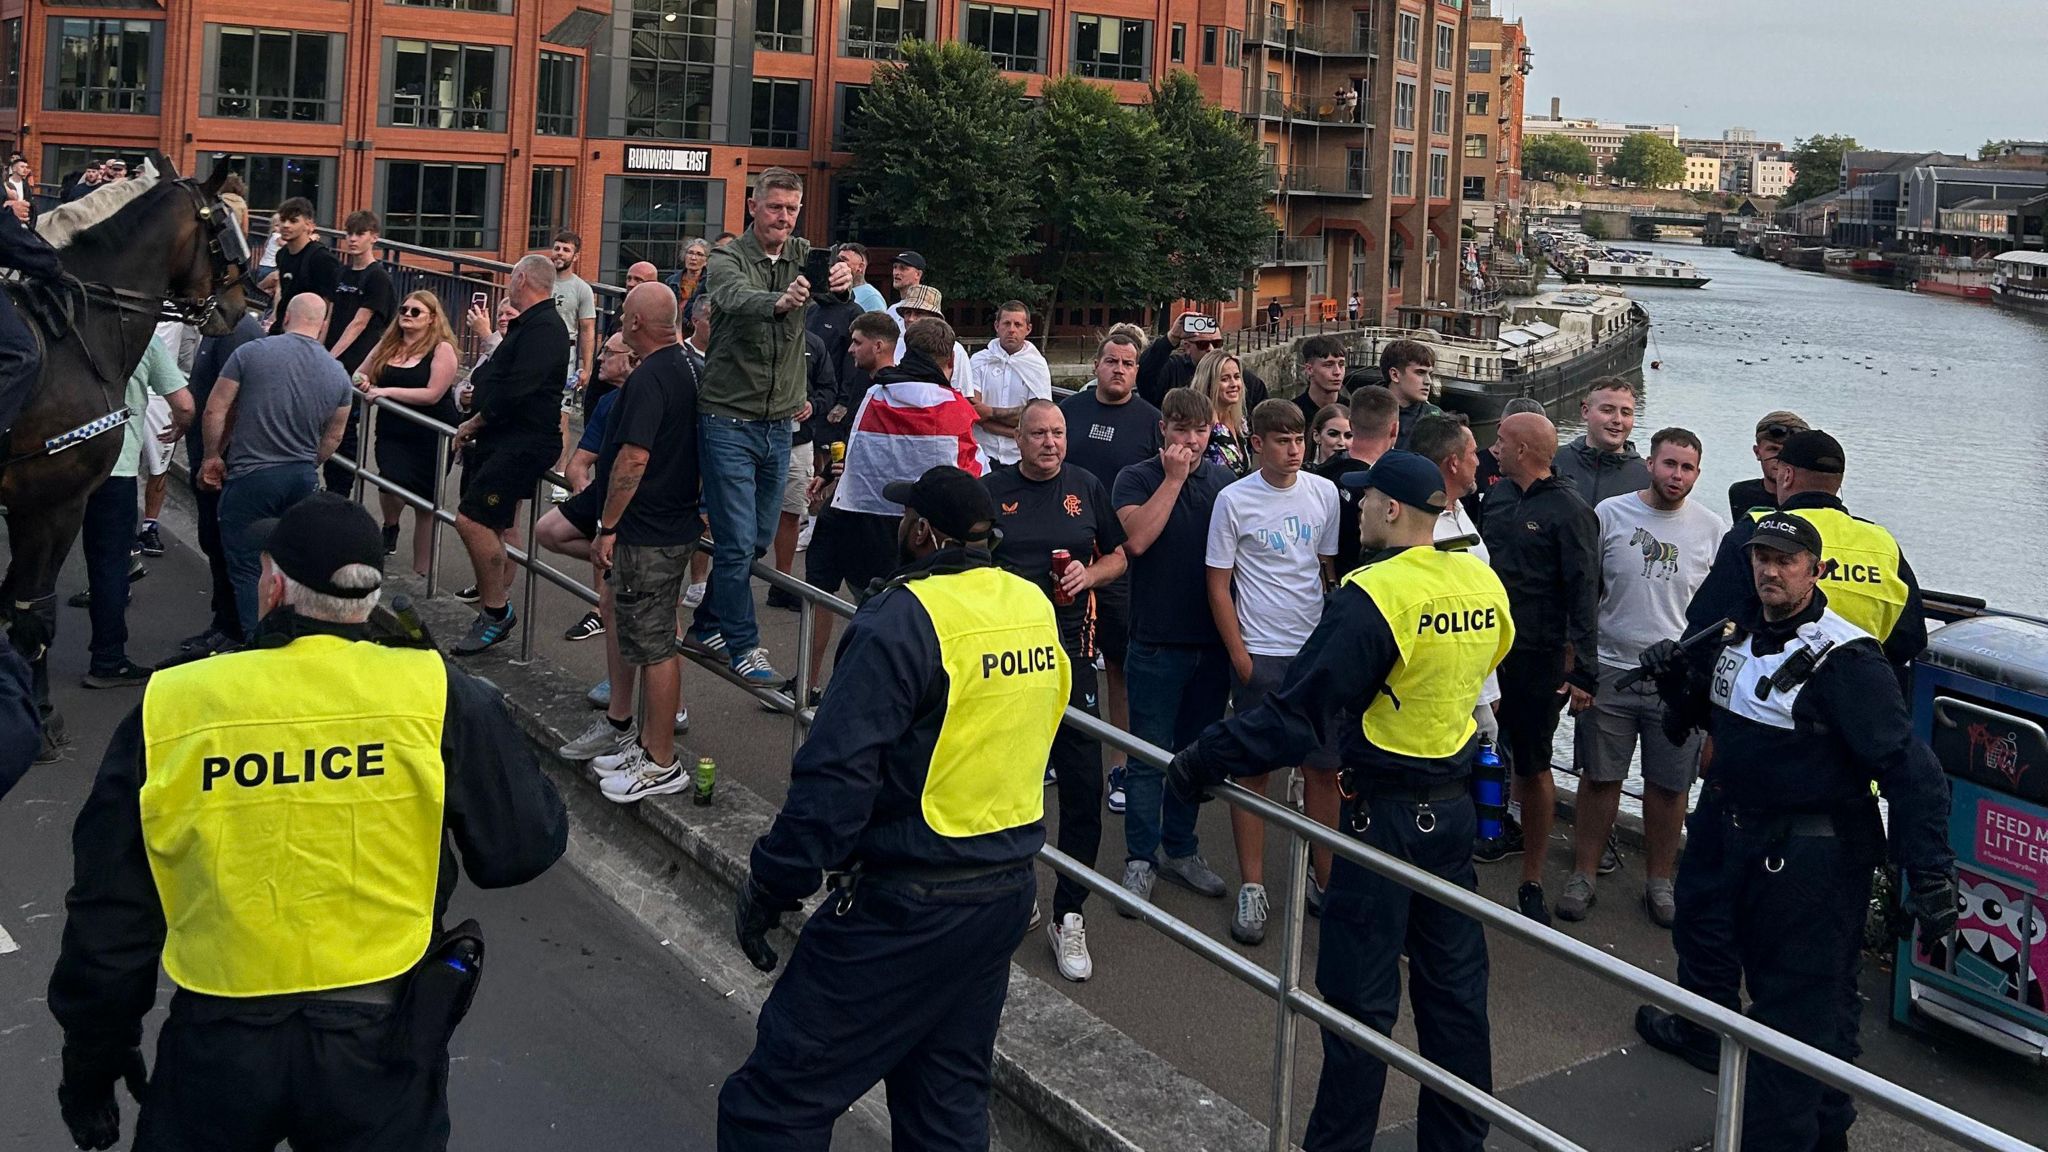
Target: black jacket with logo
519, 387
1544, 542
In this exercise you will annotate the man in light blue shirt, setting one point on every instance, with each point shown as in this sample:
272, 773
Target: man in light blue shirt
864, 294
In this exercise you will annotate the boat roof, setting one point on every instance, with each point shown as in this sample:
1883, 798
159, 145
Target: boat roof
2035, 259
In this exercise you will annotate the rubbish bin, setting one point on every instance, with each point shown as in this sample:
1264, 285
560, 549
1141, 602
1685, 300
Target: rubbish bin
1980, 698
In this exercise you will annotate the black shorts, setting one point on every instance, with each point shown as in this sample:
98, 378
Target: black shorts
1113, 620
1529, 707
583, 509
853, 549
497, 476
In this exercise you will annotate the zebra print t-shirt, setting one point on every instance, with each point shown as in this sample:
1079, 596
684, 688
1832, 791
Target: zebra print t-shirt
1651, 563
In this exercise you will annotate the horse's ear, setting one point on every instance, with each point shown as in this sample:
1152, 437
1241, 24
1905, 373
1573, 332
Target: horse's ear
218, 177
165, 169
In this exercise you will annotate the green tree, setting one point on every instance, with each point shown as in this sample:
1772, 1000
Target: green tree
1818, 164
1546, 156
940, 152
1209, 203
1101, 162
1649, 160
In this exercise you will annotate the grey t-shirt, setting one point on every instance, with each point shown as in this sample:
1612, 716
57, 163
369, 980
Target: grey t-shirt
1651, 563
289, 389
574, 303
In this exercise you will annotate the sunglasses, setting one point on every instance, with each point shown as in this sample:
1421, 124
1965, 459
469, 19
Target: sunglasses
1776, 432
413, 310
1205, 344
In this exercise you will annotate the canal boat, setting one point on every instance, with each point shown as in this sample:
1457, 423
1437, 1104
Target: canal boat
2021, 281
1625, 266
1957, 276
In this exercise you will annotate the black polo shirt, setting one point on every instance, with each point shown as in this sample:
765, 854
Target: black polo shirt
519, 388
1070, 511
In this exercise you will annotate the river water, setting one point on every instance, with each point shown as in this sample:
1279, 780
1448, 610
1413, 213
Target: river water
1941, 405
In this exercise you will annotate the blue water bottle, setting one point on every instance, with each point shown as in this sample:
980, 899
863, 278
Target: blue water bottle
1489, 790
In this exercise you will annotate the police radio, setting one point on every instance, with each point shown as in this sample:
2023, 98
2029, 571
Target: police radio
1799, 664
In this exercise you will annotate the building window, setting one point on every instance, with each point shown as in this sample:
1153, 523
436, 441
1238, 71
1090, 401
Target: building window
782, 25
10, 63
779, 113
1440, 111
103, 65
274, 179
875, 27
1109, 48
1475, 187
653, 219
1233, 45
272, 74
670, 76
441, 85
547, 209
1013, 37
1403, 183
1355, 171
1404, 104
848, 112
1439, 175
1407, 34
1476, 103
497, 6
1361, 30
1208, 44
1479, 61
1179, 46
1475, 145
555, 103
1446, 47
441, 205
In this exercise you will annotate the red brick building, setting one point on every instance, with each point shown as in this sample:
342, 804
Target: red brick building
483, 125
1498, 62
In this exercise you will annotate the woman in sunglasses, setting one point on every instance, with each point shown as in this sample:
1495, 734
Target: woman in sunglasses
414, 366
1332, 433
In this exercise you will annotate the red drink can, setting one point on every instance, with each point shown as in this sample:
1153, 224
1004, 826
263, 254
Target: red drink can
1061, 561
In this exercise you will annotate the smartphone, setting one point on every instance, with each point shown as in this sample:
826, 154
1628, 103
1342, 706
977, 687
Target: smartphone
818, 269
479, 299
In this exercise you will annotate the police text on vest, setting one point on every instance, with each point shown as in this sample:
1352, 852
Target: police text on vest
254, 769
1026, 660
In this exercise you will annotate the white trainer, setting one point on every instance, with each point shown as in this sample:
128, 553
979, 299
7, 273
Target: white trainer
599, 738
1070, 947
650, 780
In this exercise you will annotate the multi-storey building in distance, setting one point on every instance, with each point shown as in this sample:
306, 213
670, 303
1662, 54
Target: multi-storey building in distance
484, 125
1603, 138
1498, 61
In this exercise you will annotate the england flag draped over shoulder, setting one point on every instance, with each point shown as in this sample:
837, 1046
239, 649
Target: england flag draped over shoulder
903, 429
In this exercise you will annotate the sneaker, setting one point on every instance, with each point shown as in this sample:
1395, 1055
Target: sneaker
136, 568
1610, 857
777, 598
753, 667
650, 780
467, 595
591, 625
1037, 918
1529, 901
79, 599
485, 633
1670, 1032
1249, 925
1070, 948
1051, 777
1659, 903
391, 539
1194, 874
600, 738
1499, 848
693, 596
600, 694
1313, 899
1115, 796
557, 494
1139, 876
707, 643
126, 674
623, 762
1578, 897
682, 721
150, 540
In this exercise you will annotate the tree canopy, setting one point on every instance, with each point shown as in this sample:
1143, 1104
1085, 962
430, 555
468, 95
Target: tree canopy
1818, 163
1210, 205
1548, 155
1649, 160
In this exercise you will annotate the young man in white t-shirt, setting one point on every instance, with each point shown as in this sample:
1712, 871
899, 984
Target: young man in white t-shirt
1655, 549
1270, 535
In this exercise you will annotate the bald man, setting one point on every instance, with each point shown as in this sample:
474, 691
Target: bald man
1546, 551
642, 273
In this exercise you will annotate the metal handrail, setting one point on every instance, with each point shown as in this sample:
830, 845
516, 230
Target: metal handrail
1739, 1035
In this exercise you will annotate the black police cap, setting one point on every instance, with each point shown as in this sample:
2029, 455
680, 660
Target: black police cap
320, 536
1782, 532
952, 501
1815, 451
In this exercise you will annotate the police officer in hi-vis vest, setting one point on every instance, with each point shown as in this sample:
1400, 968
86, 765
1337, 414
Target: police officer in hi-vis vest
280, 826
1805, 714
1396, 663
921, 790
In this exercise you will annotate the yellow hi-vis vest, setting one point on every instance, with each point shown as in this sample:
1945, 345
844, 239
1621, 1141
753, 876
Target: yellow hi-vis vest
1006, 688
1449, 616
291, 808
1859, 568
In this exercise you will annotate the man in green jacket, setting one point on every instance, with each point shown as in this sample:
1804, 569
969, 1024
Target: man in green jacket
752, 393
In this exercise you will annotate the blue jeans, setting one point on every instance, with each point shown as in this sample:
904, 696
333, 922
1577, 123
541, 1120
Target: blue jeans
1175, 691
744, 464
106, 537
244, 501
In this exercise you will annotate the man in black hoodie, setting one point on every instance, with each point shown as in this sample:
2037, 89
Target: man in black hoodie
1170, 361
1546, 551
1602, 462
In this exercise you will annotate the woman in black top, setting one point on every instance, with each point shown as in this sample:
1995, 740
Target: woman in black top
413, 366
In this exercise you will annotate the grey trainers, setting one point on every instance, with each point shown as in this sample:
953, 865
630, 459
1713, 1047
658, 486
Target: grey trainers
1194, 874
1249, 925
599, 738
1578, 897
1139, 876
1658, 902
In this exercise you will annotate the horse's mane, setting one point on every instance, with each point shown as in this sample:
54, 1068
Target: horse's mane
63, 224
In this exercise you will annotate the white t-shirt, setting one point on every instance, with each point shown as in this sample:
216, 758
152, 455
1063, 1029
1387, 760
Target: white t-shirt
1651, 563
1003, 380
1274, 538
1453, 524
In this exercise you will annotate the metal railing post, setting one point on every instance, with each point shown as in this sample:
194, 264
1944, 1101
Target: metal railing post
1728, 1103
806, 623
1280, 1133
433, 515
359, 411
532, 591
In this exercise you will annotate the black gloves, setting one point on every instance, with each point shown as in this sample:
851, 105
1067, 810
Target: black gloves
755, 912
1187, 782
1662, 659
86, 1094
1931, 903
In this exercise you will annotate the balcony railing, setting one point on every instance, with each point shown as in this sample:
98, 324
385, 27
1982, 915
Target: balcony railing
1299, 36
1296, 250
1305, 108
1318, 180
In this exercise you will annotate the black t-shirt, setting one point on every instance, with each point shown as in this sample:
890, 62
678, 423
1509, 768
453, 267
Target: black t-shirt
1309, 409
313, 269
657, 410
361, 290
1333, 470
1070, 511
1744, 495
1105, 439
1170, 580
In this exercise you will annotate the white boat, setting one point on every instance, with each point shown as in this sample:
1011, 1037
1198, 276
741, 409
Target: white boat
2021, 281
1628, 266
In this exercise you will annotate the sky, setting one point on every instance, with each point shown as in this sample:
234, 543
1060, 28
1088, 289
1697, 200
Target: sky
1901, 75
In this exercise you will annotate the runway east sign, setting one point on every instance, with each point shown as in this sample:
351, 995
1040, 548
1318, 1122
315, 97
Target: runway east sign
669, 161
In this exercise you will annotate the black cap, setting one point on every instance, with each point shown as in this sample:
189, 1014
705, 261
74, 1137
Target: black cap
1815, 451
1406, 477
318, 537
910, 259
1786, 533
952, 500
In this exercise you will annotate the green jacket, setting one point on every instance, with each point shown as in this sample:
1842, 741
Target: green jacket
754, 369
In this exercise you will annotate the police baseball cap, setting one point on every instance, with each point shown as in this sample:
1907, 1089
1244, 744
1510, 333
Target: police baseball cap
953, 501
1783, 533
1404, 476
318, 537
910, 259
1815, 451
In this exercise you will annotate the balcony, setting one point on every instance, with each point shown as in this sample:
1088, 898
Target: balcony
1303, 108
1318, 180
1297, 36
1293, 250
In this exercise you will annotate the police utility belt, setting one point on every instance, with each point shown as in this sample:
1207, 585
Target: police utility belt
1359, 791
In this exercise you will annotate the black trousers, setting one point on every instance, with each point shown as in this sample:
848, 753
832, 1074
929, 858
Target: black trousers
225, 619
333, 476
105, 537
1077, 764
901, 984
311, 1075
20, 363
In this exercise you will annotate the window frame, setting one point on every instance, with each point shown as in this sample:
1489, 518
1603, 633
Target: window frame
548, 84
418, 232
671, 236
1177, 44
1119, 70
1010, 60
61, 96
1478, 61
10, 62
1439, 174
1478, 102
1209, 39
479, 7
1446, 47
845, 99
877, 49
326, 107
1407, 37
463, 119
768, 137
773, 38
1440, 116
1466, 192
1485, 147
317, 185
1401, 172
560, 183
1404, 114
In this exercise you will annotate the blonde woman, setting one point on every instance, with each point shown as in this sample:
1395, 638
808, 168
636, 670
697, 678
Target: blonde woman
413, 365
1220, 377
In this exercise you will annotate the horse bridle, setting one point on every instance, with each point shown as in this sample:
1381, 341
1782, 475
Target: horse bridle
227, 257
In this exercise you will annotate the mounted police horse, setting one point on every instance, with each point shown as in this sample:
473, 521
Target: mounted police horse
148, 249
